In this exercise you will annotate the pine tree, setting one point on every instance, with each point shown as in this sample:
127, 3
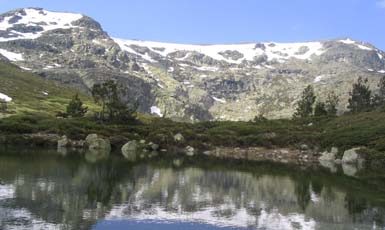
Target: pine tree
305, 105
320, 109
75, 107
3, 106
360, 97
331, 104
108, 95
379, 99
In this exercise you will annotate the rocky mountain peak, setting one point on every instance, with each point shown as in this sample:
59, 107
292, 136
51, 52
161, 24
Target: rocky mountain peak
183, 81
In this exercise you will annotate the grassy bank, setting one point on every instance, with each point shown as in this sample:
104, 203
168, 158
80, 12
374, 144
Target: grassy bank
344, 132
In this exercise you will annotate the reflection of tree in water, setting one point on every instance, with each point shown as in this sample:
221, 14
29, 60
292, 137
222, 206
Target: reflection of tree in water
58, 190
78, 194
302, 191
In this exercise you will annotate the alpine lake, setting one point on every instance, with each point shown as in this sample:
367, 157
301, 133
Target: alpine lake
50, 189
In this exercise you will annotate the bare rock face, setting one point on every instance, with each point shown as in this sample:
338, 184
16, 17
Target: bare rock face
187, 82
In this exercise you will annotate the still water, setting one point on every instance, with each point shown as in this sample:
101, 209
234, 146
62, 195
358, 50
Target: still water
41, 189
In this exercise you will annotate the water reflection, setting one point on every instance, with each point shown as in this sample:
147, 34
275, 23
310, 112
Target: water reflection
49, 191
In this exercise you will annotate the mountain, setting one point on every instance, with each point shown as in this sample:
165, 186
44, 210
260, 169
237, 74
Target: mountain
186, 82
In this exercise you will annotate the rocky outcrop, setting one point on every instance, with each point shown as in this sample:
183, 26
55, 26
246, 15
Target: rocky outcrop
96, 142
329, 156
351, 156
178, 138
65, 142
189, 151
284, 155
133, 150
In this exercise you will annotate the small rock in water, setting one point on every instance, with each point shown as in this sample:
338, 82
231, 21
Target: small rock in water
304, 147
95, 142
178, 138
177, 162
189, 151
154, 147
129, 150
351, 156
63, 142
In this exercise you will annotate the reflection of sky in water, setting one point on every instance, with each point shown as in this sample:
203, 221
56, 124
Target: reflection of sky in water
239, 218
19, 218
158, 225
47, 194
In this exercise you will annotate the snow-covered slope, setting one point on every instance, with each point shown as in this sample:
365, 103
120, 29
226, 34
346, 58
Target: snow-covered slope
30, 23
5, 98
248, 51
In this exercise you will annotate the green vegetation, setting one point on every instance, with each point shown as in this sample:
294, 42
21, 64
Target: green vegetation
331, 104
361, 97
31, 111
305, 105
320, 109
32, 94
75, 108
108, 95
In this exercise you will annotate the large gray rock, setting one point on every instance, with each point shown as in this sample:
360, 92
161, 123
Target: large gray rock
95, 142
178, 137
349, 169
190, 151
95, 155
330, 165
63, 142
351, 156
329, 156
326, 156
130, 150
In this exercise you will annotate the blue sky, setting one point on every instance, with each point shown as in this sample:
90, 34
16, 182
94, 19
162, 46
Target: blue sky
228, 21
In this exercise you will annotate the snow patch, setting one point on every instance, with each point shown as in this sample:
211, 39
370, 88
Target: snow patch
348, 41
364, 47
170, 69
318, 78
11, 55
25, 68
207, 68
219, 100
156, 110
5, 98
351, 42
46, 19
278, 51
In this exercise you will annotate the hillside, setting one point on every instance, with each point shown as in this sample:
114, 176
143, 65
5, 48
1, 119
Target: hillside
30, 93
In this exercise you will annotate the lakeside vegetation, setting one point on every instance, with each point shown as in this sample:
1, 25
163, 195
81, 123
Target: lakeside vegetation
32, 111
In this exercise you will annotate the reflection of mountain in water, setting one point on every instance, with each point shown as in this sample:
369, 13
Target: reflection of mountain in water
69, 193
